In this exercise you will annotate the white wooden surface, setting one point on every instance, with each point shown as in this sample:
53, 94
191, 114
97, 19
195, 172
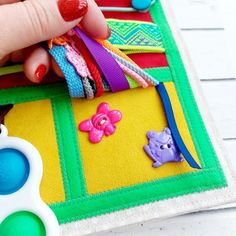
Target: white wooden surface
209, 30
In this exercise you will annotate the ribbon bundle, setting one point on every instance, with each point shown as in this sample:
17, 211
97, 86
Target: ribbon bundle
91, 67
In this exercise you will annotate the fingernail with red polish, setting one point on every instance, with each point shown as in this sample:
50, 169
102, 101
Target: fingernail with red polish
72, 9
108, 32
40, 72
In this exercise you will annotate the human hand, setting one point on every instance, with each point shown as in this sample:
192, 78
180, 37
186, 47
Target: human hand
25, 24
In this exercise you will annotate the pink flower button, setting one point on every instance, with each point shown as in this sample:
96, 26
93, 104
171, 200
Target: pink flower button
102, 123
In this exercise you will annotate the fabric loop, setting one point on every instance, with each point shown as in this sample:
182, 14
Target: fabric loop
73, 80
108, 66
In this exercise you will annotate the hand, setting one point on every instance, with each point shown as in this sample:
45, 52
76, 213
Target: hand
25, 24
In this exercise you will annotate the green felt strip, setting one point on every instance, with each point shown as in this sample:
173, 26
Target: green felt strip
68, 147
136, 195
31, 93
10, 69
161, 74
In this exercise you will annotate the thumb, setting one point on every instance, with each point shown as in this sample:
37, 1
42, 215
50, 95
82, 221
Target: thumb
29, 22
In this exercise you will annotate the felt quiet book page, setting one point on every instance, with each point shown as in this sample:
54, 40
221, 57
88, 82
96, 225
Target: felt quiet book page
125, 137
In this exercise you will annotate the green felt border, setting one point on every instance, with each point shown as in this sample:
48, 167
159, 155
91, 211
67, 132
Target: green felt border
11, 69
78, 205
136, 195
67, 139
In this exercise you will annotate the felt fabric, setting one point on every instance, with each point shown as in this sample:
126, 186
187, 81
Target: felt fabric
123, 3
143, 60
128, 16
33, 121
128, 164
93, 188
19, 80
172, 206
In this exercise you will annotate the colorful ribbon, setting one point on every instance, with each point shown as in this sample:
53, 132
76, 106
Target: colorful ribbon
106, 63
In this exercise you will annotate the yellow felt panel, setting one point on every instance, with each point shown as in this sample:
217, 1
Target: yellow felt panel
33, 121
119, 160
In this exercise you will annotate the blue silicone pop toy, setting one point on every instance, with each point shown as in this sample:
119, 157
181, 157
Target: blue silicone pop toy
23, 213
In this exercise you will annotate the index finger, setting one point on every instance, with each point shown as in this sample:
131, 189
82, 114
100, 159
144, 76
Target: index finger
94, 22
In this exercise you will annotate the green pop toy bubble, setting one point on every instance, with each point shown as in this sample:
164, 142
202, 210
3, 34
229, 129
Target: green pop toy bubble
22, 223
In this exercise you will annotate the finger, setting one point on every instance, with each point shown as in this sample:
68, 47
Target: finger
21, 55
2, 2
17, 56
94, 19
56, 68
29, 22
4, 60
37, 65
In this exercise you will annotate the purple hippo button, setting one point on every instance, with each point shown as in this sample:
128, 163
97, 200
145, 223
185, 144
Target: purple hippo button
161, 148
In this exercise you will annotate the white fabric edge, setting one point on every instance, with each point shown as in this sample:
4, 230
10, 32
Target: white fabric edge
174, 206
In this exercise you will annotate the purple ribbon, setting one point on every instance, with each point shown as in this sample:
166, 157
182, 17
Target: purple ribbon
106, 63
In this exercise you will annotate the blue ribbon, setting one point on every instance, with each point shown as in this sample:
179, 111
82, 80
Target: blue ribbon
75, 86
173, 127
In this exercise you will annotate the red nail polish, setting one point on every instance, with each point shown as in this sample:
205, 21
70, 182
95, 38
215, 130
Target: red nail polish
108, 32
40, 72
72, 9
